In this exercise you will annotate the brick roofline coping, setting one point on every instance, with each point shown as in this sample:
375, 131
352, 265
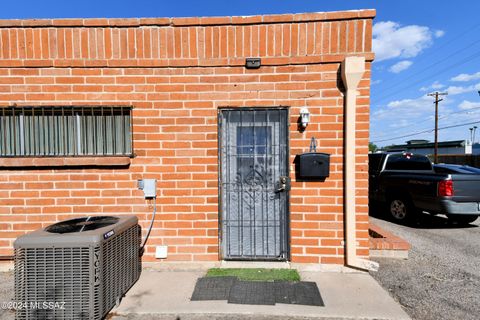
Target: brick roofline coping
193, 21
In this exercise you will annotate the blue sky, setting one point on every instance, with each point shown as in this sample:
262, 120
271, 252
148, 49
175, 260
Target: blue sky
421, 46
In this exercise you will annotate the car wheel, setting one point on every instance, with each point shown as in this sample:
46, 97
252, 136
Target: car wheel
462, 218
401, 209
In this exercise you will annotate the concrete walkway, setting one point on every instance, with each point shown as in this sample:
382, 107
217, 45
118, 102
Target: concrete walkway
166, 295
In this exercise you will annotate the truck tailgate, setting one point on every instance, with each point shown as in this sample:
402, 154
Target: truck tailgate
466, 187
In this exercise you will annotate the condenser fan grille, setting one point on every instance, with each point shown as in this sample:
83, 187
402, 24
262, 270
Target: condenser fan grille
82, 224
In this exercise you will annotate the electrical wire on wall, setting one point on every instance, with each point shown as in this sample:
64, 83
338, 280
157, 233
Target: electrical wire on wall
142, 248
149, 187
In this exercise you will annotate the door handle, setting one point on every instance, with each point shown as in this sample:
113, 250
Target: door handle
283, 184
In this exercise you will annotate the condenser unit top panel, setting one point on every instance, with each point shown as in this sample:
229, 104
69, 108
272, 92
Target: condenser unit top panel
79, 232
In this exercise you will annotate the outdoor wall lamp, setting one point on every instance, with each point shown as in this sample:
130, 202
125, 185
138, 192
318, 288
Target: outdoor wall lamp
304, 117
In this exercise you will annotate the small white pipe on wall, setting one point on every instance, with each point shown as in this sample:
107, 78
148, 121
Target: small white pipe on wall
353, 69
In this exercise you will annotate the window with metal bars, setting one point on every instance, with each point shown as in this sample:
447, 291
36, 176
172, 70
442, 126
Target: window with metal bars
64, 131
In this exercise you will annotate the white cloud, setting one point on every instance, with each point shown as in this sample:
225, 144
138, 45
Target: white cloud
400, 66
410, 103
374, 82
439, 33
417, 112
466, 105
407, 116
399, 110
466, 77
391, 40
454, 90
434, 86
400, 124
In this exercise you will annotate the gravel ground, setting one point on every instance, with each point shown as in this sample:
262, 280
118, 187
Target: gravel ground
6, 294
441, 278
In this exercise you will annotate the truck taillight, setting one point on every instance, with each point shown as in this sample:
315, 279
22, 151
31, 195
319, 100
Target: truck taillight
445, 188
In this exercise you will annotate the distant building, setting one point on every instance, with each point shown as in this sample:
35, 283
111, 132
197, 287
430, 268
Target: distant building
476, 148
426, 147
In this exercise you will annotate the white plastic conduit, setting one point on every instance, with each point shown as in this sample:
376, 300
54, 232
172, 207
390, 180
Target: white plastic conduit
353, 69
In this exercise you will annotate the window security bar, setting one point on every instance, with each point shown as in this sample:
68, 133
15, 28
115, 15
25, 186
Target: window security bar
64, 131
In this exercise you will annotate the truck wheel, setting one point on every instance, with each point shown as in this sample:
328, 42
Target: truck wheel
401, 209
462, 218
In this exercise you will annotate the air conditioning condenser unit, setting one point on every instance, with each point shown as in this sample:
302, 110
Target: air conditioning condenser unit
76, 269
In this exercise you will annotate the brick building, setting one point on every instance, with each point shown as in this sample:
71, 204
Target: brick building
89, 106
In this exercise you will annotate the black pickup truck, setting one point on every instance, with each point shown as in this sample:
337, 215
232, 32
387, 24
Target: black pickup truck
408, 184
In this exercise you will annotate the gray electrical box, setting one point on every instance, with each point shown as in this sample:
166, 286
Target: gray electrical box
149, 187
314, 165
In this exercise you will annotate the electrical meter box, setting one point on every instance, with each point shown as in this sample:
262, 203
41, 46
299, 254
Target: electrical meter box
313, 165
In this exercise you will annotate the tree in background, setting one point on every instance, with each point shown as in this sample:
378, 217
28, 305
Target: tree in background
372, 147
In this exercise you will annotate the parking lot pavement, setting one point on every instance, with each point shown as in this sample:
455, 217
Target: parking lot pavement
441, 278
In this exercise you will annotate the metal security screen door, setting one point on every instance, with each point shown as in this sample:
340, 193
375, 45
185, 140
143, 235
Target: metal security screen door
254, 201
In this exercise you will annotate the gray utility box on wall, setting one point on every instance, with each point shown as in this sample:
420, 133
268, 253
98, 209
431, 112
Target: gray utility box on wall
313, 165
78, 269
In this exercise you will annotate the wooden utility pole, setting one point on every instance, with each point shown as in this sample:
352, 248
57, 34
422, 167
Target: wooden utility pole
436, 95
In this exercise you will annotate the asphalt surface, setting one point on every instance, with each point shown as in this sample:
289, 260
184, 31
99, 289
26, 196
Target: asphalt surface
441, 278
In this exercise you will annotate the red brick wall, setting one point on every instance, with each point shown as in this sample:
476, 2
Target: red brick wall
176, 73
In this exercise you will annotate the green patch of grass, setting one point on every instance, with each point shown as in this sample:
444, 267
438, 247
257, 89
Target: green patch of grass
256, 274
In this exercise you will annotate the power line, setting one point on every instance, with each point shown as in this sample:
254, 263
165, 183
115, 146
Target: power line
454, 38
396, 84
405, 136
443, 70
458, 125
474, 56
427, 131
456, 112
441, 117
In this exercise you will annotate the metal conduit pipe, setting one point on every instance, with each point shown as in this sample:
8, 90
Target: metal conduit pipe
353, 69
